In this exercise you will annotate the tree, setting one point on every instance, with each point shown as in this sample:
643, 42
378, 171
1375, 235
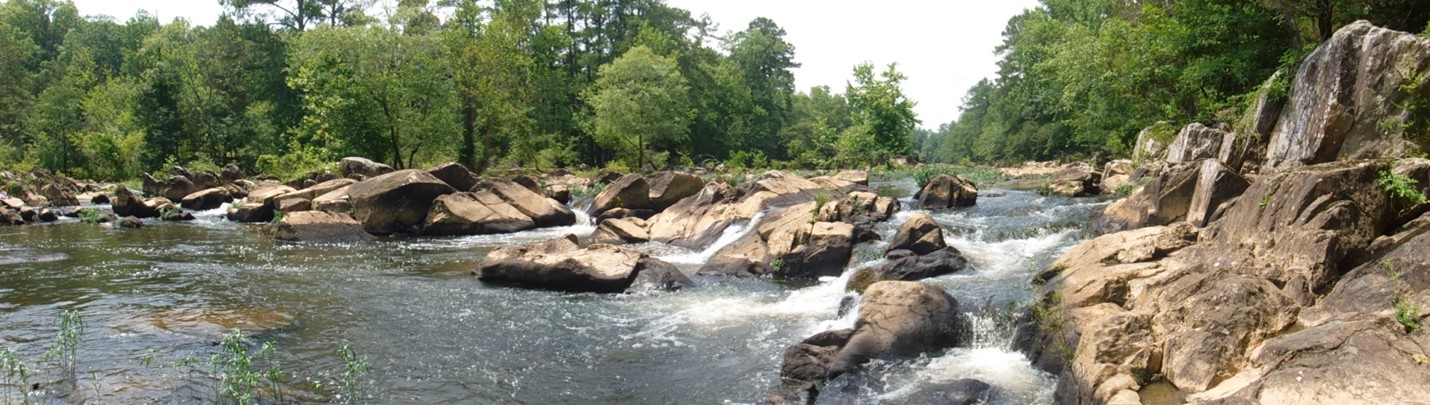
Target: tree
883, 117
765, 60
299, 15
639, 99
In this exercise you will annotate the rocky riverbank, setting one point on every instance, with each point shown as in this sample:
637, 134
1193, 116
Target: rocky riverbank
1276, 260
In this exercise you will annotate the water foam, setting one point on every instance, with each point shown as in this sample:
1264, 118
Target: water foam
731, 234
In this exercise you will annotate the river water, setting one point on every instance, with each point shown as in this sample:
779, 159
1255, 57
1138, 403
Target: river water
156, 296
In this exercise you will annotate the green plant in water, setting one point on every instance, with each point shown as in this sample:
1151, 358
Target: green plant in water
355, 369
277, 216
64, 353
239, 374
778, 265
922, 175
1401, 186
16, 375
89, 215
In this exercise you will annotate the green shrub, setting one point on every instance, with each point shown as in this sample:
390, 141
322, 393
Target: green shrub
1401, 186
1407, 313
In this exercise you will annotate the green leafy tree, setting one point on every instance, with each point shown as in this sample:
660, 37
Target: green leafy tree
765, 59
883, 118
638, 100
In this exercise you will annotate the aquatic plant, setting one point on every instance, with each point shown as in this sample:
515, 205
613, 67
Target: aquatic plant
63, 354
16, 376
355, 370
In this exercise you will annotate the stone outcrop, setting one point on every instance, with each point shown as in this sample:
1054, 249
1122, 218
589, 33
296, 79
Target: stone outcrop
320, 227
947, 191
561, 264
1347, 99
395, 202
669, 187
791, 243
126, 204
1075, 180
897, 319
1197, 142
619, 231
455, 175
206, 199
478, 213
543, 211
1258, 305
917, 251
630, 191
364, 167
259, 205
695, 222
1194, 192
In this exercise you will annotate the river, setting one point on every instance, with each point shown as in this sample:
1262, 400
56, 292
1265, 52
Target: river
155, 296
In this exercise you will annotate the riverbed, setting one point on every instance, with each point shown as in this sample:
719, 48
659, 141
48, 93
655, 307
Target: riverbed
158, 298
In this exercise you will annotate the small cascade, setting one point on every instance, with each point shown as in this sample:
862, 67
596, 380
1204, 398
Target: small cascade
732, 233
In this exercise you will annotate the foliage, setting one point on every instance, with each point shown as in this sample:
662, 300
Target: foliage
639, 101
355, 370
1401, 186
883, 118
1407, 313
1125, 190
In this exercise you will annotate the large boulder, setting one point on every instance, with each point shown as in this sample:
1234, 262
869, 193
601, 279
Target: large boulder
668, 187
620, 231
560, 264
455, 175
1194, 192
59, 195
259, 205
476, 213
947, 191
364, 167
897, 319
919, 234
1152, 141
320, 227
823, 249
545, 212
1076, 180
697, 221
859, 208
125, 203
176, 187
230, 173
206, 199
1348, 99
630, 191
1197, 142
395, 202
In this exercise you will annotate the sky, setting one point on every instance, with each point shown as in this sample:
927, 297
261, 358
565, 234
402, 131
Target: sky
944, 47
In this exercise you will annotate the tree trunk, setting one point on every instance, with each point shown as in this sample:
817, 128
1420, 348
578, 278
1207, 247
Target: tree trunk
1325, 11
468, 152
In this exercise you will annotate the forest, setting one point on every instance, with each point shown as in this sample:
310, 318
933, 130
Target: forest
1079, 79
285, 87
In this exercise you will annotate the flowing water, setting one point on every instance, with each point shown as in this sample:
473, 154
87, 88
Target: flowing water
155, 296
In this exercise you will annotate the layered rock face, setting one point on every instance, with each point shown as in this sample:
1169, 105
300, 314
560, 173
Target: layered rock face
1304, 283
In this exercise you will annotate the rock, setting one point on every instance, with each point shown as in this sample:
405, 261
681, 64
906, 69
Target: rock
316, 190
945, 191
176, 215
47, 215
12, 203
205, 179
59, 196
559, 264
617, 213
179, 171
1168, 198
99, 199
1152, 141
150, 186
1216, 186
176, 187
1116, 175
320, 227
668, 187
11, 217
901, 319
1075, 180
395, 202
917, 267
959, 392
478, 213
858, 177
206, 199
919, 234
657, 275
1267, 109
559, 192
131, 222
230, 173
823, 251
604, 178
810, 359
859, 208
127, 204
291, 205
746, 257
621, 231
1346, 102
630, 191
259, 205
545, 212
699, 220
363, 167
527, 181
455, 175
335, 201
1197, 142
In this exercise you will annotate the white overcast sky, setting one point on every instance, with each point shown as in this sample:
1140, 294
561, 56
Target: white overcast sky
943, 46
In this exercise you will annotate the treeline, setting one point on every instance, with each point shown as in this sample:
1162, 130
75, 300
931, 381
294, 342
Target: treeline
1080, 78
287, 86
